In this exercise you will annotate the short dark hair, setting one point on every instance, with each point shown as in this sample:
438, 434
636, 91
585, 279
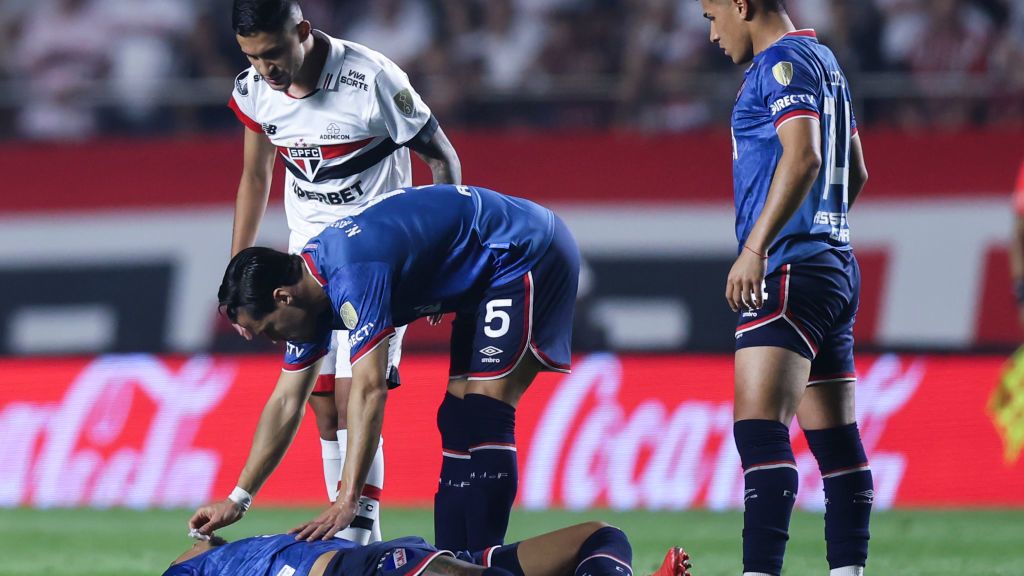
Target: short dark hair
251, 278
250, 17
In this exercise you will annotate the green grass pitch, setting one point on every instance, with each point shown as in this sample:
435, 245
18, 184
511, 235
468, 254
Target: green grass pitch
129, 543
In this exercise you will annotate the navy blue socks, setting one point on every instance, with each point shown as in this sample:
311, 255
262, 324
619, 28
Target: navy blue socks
770, 483
453, 485
494, 475
849, 493
606, 553
503, 557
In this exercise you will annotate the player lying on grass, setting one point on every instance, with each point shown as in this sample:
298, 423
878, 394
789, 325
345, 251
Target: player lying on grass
592, 548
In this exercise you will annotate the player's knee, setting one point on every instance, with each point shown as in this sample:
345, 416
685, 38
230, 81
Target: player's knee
326, 419
446, 566
594, 526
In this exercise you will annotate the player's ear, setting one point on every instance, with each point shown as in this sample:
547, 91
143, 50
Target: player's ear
305, 29
283, 296
742, 8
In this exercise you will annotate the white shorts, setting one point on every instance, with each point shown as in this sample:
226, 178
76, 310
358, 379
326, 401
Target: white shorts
336, 362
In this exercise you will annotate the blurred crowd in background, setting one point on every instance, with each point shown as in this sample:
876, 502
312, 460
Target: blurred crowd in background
73, 69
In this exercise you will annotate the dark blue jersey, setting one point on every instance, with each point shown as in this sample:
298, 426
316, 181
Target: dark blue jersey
260, 556
794, 78
416, 252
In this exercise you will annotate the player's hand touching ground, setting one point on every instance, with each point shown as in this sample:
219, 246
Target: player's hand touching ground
217, 515
337, 517
743, 287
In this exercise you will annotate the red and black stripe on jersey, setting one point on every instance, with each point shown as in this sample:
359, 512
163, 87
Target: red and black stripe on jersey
349, 168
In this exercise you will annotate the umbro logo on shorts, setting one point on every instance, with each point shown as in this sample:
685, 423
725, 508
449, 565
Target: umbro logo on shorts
491, 351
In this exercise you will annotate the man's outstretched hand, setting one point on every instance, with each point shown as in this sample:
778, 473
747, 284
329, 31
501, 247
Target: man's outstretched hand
336, 518
213, 516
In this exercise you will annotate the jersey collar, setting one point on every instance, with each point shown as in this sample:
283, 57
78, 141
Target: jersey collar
311, 266
805, 33
335, 54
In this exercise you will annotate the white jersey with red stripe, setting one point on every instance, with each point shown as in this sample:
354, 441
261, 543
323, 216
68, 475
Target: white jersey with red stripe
342, 145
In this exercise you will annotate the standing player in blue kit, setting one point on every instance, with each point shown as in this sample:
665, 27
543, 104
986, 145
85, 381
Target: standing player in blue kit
798, 166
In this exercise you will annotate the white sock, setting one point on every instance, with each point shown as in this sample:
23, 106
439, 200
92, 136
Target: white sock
376, 478
757, 574
332, 467
368, 516
847, 571
375, 533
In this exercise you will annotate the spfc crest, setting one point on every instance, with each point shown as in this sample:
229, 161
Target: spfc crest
306, 159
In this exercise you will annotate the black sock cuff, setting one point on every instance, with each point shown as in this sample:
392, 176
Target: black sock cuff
503, 557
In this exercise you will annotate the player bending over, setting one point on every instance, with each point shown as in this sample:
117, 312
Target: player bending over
797, 167
507, 268
593, 548
341, 118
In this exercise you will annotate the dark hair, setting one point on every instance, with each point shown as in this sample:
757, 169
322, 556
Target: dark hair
249, 17
251, 278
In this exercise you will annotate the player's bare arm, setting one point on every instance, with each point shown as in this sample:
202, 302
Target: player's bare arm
796, 172
253, 189
858, 169
277, 426
438, 153
366, 402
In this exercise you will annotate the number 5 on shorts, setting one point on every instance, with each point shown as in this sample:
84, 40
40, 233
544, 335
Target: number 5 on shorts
493, 313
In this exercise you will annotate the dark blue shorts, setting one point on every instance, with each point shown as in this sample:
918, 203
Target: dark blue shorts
407, 556
810, 309
532, 314
400, 557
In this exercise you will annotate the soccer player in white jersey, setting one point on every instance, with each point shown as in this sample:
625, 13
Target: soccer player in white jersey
342, 118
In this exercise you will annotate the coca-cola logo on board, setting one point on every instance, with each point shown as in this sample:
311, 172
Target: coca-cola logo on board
122, 435
588, 450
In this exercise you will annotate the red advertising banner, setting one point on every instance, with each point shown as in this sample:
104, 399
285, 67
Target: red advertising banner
559, 167
624, 432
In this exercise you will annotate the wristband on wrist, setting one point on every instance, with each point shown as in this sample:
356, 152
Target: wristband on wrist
763, 256
1018, 291
241, 497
